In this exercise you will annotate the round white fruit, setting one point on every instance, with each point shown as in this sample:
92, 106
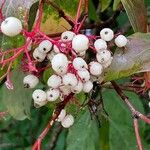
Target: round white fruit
107, 34
87, 86
11, 26
54, 81
79, 63
95, 68
52, 94
67, 121
78, 88
37, 55
121, 41
30, 81
100, 44
103, 57
67, 36
80, 43
65, 90
84, 75
45, 46
61, 115
108, 63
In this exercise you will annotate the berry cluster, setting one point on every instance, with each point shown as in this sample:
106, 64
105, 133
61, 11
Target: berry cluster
67, 56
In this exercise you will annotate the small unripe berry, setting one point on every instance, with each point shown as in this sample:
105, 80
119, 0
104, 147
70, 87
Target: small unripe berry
11, 26
121, 41
54, 81
39, 97
37, 55
100, 44
87, 86
84, 75
45, 46
30, 81
79, 63
103, 56
78, 88
61, 115
80, 43
95, 68
67, 121
67, 36
107, 34
52, 94
69, 79
60, 63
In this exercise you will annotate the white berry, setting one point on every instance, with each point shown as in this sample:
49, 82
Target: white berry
37, 55
11, 26
67, 121
103, 56
52, 94
54, 81
100, 44
121, 41
30, 81
60, 63
79, 63
87, 86
107, 34
61, 115
80, 43
70, 79
39, 97
51, 55
67, 36
45, 46
84, 75
65, 90
78, 88
95, 68
108, 63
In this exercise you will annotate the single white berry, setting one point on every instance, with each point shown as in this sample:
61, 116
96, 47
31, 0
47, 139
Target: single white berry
107, 34
79, 63
108, 63
87, 86
67, 36
52, 94
60, 63
30, 81
37, 55
51, 55
56, 49
84, 75
39, 97
54, 81
11, 26
69, 79
80, 43
61, 115
45, 46
103, 56
95, 68
78, 88
65, 90
121, 41
100, 44
67, 121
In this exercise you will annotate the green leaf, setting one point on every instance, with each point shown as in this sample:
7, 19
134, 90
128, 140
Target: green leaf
115, 4
92, 11
84, 134
18, 100
136, 12
131, 60
105, 4
121, 131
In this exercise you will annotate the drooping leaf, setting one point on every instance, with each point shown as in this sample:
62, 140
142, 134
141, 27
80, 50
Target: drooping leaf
84, 134
105, 4
115, 4
136, 12
131, 60
18, 100
121, 131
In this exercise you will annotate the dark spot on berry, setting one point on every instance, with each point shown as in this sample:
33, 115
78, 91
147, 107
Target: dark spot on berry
26, 85
50, 95
44, 49
37, 58
37, 97
65, 37
106, 32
